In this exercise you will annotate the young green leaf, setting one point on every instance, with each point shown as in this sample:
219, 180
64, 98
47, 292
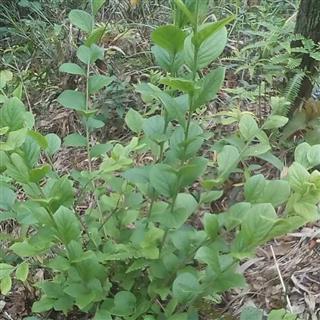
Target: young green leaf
67, 225
39, 138
95, 36
259, 190
313, 156
72, 100
98, 82
210, 86
185, 287
179, 84
169, 37
102, 314
281, 314
5, 285
96, 5
7, 197
165, 60
54, 143
191, 171
5, 270
228, 160
75, 140
248, 127
209, 30
43, 305
15, 140
124, 303
81, 19
22, 271
89, 55
211, 225
153, 128
298, 177
12, 114
25, 249
72, 68
164, 180
210, 196
185, 11
134, 120
209, 51
18, 92
100, 149
275, 122
5, 77
39, 173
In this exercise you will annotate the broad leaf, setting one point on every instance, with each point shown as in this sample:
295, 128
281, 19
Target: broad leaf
72, 68
39, 138
67, 225
43, 305
228, 160
259, 190
98, 82
5, 77
39, 173
5, 270
164, 59
7, 197
185, 11
22, 271
210, 86
275, 121
153, 128
191, 171
75, 140
5, 285
298, 177
54, 143
12, 114
72, 100
185, 287
96, 5
169, 37
209, 51
209, 30
134, 120
95, 36
100, 149
90, 54
248, 127
183, 85
81, 19
211, 225
124, 303
164, 180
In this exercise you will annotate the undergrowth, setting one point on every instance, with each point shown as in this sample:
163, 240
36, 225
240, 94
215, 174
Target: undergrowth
135, 252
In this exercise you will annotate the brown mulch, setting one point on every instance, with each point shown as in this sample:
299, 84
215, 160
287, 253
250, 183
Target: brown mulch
288, 279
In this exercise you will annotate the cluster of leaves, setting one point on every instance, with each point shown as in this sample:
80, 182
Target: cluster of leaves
269, 54
251, 313
134, 253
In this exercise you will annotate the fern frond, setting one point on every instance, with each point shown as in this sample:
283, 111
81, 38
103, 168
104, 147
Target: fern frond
293, 88
280, 106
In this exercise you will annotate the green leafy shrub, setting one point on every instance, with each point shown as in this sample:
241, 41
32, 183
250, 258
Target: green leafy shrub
135, 253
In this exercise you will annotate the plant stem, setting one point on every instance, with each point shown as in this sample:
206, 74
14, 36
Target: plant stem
194, 76
86, 122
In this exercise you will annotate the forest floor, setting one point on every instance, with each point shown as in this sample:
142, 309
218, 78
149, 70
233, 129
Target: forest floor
284, 273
